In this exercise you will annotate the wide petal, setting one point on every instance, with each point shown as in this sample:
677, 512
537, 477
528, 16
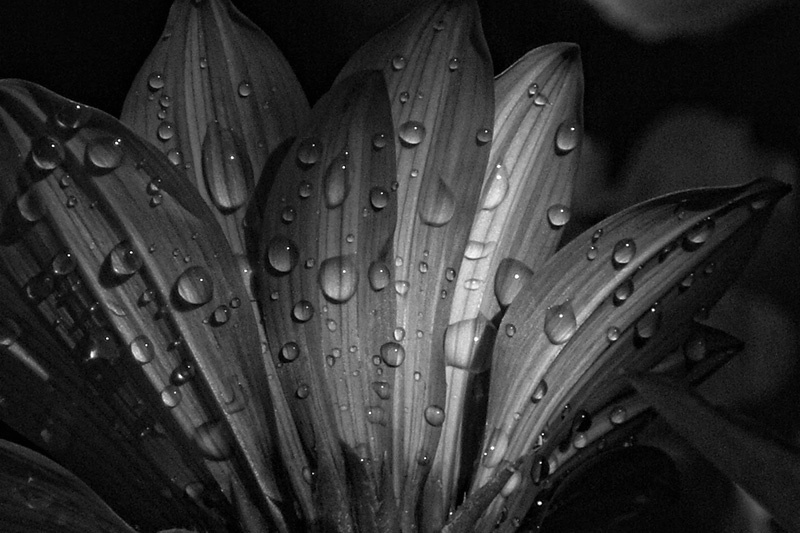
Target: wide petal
123, 287
218, 98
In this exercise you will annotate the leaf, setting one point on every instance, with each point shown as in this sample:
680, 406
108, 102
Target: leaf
36, 494
218, 98
142, 291
533, 160
616, 299
769, 470
438, 73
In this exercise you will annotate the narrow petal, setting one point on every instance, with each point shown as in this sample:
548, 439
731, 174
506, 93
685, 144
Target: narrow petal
325, 249
618, 298
533, 160
36, 494
218, 98
438, 72
767, 469
129, 269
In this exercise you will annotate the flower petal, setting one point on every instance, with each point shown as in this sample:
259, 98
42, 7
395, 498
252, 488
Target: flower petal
218, 98
586, 318
36, 494
438, 72
130, 270
767, 469
533, 160
325, 248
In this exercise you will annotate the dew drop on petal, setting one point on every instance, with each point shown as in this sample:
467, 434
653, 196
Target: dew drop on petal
478, 250
624, 252
336, 182
511, 330
245, 89
165, 130
304, 189
539, 392
72, 116
338, 278
142, 349
496, 189
175, 157
453, 64
560, 323
540, 469
450, 274
124, 259
404, 96
434, 415
612, 334
195, 286
379, 141
618, 415
483, 136
398, 63
30, 206
376, 415
540, 99
567, 137
309, 151
591, 253
302, 311
623, 292
171, 396
290, 351
437, 207
511, 276
411, 133
472, 284
47, 153
382, 389
226, 167
699, 233
379, 275
558, 215
392, 354
466, 342
221, 315
378, 198
282, 254
401, 287
104, 154
288, 214
302, 391
63, 263
183, 373
648, 324
155, 81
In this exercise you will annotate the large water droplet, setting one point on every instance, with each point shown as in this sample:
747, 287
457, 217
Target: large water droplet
618, 415
568, 136
539, 392
171, 396
623, 292
558, 215
401, 287
282, 254
142, 349
165, 130
437, 207
214, 440
467, 344
560, 323
47, 153
72, 116
195, 286
483, 136
411, 133
336, 182
379, 275
378, 198
511, 276
624, 252
63, 263
478, 250
434, 415
155, 81
398, 63
392, 354
183, 373
290, 351
648, 324
302, 311
104, 154
699, 233
338, 278
382, 389
124, 259
245, 89
495, 189
309, 151
226, 167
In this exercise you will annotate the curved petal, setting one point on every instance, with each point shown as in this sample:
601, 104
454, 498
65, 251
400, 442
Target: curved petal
218, 98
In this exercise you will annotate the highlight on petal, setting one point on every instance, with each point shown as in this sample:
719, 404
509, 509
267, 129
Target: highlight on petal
769, 470
438, 73
36, 494
124, 295
533, 160
325, 251
584, 319
219, 99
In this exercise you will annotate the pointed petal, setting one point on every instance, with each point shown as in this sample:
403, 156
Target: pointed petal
438, 72
36, 494
767, 469
533, 160
218, 97
586, 318
141, 289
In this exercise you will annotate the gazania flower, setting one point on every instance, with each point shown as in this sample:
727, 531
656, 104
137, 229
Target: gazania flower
227, 313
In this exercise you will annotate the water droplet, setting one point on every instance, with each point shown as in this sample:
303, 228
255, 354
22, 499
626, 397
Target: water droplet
392, 354
379, 141
309, 151
47, 153
175, 157
437, 207
511, 330
379, 198
648, 324
686, 282
483, 136
398, 63
453, 64
580, 440
165, 100
30, 206
623, 253
699, 233
338, 278
612, 334
221, 315
376, 415
434, 415
39, 287
709, 269
495, 189
618, 415
401, 287
560, 323
155, 81
472, 284
171, 396
104, 154
511, 276
304, 189
379, 275
540, 469
540, 100
288, 214
623, 292
282, 254
411, 133
467, 344
302, 311
183, 373
63, 264
478, 250
450, 274
245, 89
72, 116
156, 200
558, 215
214, 440
539, 392
567, 137
124, 259
438, 25
195, 286
303, 391
226, 167
382, 389
694, 349
337, 182
165, 130
495, 448
142, 349
162, 114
